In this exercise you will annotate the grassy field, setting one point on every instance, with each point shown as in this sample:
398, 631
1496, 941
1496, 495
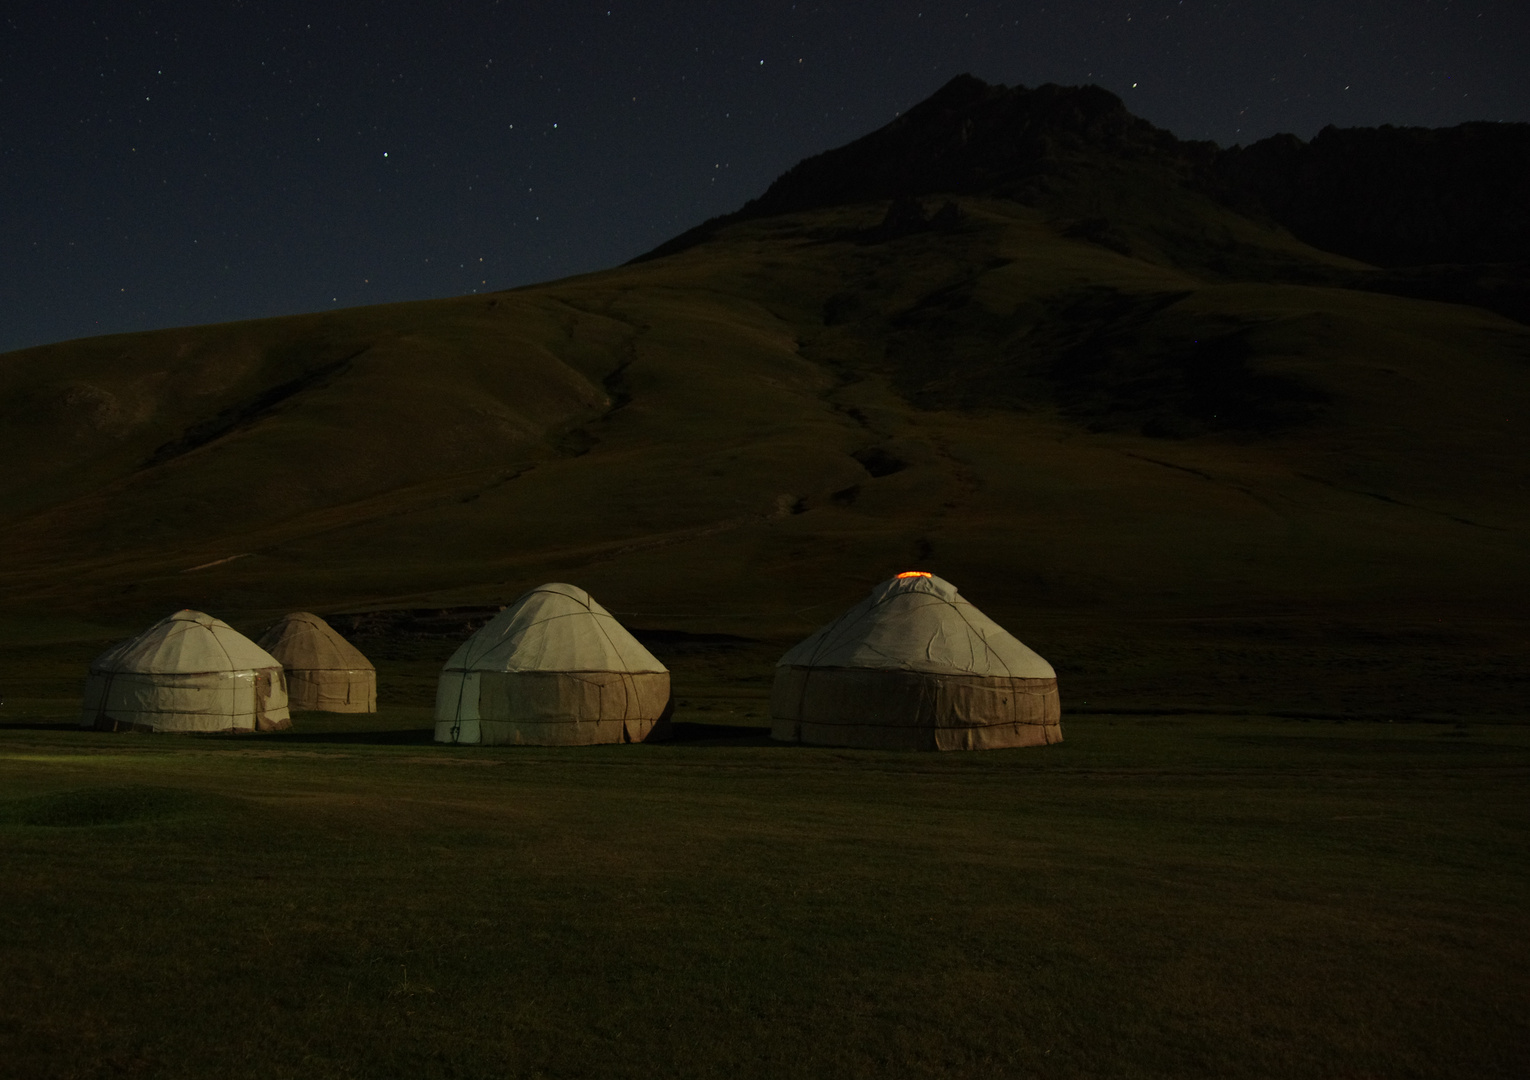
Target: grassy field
1163, 897
1156, 896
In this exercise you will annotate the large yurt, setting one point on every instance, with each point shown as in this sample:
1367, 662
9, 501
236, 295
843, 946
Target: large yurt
915, 667
325, 672
552, 669
187, 672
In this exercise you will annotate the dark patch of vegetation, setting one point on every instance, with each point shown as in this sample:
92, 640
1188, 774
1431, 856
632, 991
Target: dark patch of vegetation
575, 442
1098, 230
879, 461
695, 733
1504, 288
415, 623
101, 806
844, 307
1113, 376
1108, 359
245, 413
906, 216
617, 388
365, 737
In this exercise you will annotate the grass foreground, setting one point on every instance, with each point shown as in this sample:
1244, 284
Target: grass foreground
1154, 897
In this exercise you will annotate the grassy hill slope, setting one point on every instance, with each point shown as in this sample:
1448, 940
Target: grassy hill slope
1181, 453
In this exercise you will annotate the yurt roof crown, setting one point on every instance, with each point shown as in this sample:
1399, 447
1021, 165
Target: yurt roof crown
918, 622
186, 642
554, 627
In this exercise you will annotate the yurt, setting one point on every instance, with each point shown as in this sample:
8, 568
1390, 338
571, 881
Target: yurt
915, 667
187, 672
324, 671
553, 669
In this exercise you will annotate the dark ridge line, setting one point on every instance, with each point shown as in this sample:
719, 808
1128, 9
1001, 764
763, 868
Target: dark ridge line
242, 415
1358, 192
1171, 465
503, 479
1405, 505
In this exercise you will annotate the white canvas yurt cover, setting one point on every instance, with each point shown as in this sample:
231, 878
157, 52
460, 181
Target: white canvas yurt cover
915, 666
554, 668
187, 672
324, 671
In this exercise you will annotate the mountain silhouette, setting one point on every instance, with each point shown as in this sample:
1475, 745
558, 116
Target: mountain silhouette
1388, 196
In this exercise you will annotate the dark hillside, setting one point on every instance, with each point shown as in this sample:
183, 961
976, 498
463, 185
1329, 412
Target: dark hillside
1393, 196
1389, 196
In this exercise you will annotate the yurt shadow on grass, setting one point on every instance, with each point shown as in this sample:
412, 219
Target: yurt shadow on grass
553, 669
914, 666
189, 672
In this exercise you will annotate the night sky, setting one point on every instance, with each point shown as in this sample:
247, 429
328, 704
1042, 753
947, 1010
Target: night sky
167, 164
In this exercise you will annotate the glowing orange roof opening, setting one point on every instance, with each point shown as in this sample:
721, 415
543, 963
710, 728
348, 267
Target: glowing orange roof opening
915, 573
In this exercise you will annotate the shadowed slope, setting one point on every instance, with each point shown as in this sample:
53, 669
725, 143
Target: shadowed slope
1394, 196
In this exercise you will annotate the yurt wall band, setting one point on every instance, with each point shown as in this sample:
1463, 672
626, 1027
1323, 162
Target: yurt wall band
553, 669
188, 672
324, 671
914, 666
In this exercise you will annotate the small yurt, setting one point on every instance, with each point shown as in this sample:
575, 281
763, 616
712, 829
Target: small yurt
552, 669
915, 667
324, 671
187, 672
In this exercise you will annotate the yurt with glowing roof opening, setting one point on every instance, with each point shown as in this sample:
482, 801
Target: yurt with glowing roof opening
914, 666
325, 673
553, 669
189, 672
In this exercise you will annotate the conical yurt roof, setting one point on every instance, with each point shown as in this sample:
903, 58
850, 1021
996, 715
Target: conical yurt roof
554, 627
918, 622
185, 643
304, 642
